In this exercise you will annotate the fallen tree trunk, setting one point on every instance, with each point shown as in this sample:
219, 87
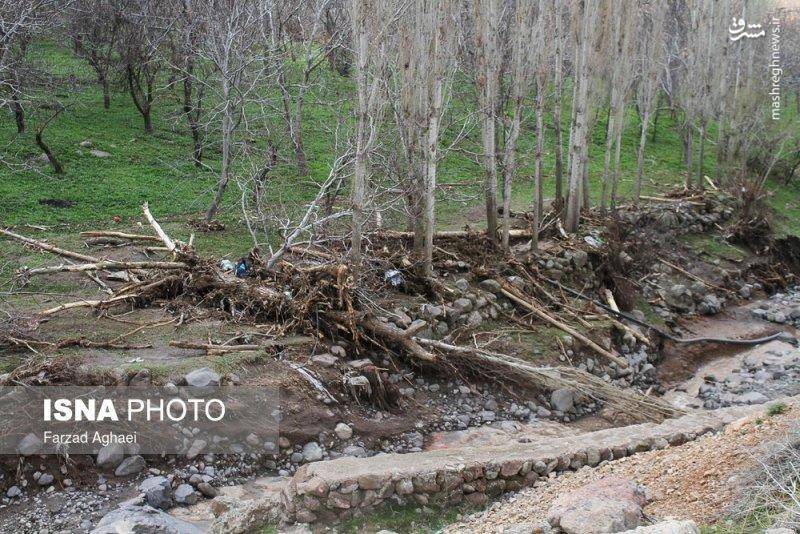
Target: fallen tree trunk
120, 235
212, 348
110, 265
512, 294
639, 406
41, 245
445, 234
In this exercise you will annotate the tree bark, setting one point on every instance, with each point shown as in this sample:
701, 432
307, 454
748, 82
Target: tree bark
701, 155
537, 167
637, 186
688, 147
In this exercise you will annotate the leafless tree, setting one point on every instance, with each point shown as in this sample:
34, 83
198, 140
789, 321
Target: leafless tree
141, 34
488, 63
540, 63
20, 20
296, 29
94, 26
372, 22
194, 74
421, 77
230, 42
585, 24
650, 61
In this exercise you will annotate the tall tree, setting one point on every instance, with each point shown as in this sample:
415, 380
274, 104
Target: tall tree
650, 61
372, 20
585, 24
488, 62
94, 26
230, 43
422, 75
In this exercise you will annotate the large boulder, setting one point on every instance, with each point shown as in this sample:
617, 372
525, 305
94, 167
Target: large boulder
130, 466
143, 520
610, 504
671, 526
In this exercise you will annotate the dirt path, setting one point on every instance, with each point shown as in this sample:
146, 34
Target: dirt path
699, 480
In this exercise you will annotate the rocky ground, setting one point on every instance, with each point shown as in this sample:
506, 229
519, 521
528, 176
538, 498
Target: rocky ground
700, 481
423, 409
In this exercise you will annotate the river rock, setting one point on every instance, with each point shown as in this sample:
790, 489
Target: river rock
185, 494
312, 452
610, 504
562, 400
343, 431
30, 444
130, 466
157, 492
143, 520
203, 377
110, 456
667, 527
679, 297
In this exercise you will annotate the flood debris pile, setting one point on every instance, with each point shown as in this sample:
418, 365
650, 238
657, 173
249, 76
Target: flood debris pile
381, 337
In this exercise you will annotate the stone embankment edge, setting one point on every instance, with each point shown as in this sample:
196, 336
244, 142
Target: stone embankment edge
338, 489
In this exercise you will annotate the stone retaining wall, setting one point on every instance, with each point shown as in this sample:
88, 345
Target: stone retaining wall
338, 489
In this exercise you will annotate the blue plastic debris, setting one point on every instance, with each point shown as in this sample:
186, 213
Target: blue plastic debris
241, 269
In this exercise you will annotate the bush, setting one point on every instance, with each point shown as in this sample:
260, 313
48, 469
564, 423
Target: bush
777, 409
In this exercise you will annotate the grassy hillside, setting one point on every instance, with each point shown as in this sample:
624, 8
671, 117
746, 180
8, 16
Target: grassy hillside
157, 167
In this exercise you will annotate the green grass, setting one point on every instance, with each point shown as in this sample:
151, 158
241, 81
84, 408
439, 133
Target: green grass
715, 246
777, 409
403, 519
157, 168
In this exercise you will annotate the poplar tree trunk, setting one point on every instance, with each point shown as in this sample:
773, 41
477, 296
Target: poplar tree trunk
637, 186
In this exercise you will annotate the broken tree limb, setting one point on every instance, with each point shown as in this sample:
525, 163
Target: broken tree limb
121, 235
612, 303
445, 234
212, 348
162, 235
511, 294
85, 304
693, 276
395, 336
41, 245
581, 382
109, 265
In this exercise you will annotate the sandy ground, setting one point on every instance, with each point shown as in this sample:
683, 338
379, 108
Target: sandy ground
699, 480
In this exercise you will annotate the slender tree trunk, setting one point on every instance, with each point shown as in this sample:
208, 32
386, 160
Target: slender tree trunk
537, 167
559, 90
559, 168
701, 155
510, 170
106, 91
490, 170
227, 142
190, 111
637, 186
610, 135
655, 125
616, 173
51, 157
689, 166
19, 113
142, 103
